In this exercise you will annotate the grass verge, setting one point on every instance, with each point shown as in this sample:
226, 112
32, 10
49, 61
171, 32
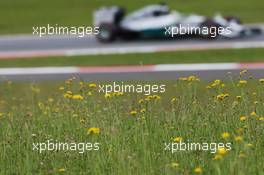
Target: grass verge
132, 129
210, 56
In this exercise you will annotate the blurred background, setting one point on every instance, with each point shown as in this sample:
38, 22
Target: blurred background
18, 16
86, 56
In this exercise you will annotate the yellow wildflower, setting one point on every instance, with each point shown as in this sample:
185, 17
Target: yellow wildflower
77, 97
68, 81
243, 118
156, 97
50, 99
140, 101
114, 94
226, 95
193, 78
225, 135
92, 85
82, 120
261, 80
69, 92
238, 97
198, 170
66, 95
174, 165
143, 110
133, 112
253, 114
108, 95
57, 109
249, 145
243, 72
261, 118
61, 170
183, 79
177, 139
242, 82
35, 89
217, 82
75, 115
148, 98
238, 138
222, 151
217, 157
173, 100
93, 130
221, 97
120, 93
242, 155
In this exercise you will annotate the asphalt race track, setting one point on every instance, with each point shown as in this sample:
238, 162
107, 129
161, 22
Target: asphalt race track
31, 43
33, 46
25, 46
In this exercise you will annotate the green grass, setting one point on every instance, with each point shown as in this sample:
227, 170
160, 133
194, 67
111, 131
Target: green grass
211, 56
18, 16
131, 144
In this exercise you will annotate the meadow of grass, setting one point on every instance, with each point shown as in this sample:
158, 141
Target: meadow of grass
18, 16
205, 56
132, 128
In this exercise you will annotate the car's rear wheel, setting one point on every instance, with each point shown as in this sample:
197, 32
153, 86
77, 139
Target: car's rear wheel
107, 33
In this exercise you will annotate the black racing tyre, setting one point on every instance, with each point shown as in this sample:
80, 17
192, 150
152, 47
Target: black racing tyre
256, 31
107, 33
212, 27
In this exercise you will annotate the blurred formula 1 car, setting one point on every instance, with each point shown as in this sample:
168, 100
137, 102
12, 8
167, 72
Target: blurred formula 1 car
154, 21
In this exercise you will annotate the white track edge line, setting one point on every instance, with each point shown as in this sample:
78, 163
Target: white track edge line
156, 68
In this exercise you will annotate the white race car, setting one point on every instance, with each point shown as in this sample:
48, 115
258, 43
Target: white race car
157, 21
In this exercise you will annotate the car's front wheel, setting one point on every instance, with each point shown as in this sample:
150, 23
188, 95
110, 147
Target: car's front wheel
107, 33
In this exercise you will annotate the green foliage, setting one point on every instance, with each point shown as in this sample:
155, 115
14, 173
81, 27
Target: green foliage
19, 16
132, 142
